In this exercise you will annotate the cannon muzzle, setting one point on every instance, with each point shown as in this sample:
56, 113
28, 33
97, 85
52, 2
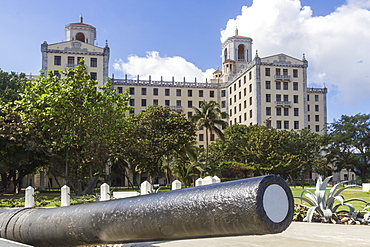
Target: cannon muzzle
261, 205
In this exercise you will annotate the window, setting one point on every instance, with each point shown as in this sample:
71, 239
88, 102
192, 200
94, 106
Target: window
155, 102
309, 117
295, 98
245, 116
132, 91
200, 104
167, 92
250, 113
245, 79
167, 102
240, 95
317, 128
223, 104
278, 97
234, 109
268, 97
278, 85
234, 87
250, 75
316, 97
190, 114
240, 107
308, 97
295, 73
285, 85
286, 125
155, 91
212, 94
132, 112
234, 98
93, 62
93, 75
286, 111
190, 103
71, 61
295, 86
268, 111
231, 90
231, 112
132, 102
245, 104
267, 72
212, 137
317, 118
143, 91
120, 90
178, 92
143, 102
278, 124
316, 107
250, 88
57, 74
245, 92
231, 101
285, 71
57, 60
268, 84
178, 102
308, 107
278, 111
79, 59
268, 124
223, 93
240, 83
201, 93
201, 137
286, 97
240, 118
296, 125
250, 100
296, 112
277, 71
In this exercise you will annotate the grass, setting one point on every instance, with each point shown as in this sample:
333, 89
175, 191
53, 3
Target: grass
347, 194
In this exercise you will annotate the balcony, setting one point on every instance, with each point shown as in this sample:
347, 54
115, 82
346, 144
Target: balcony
283, 103
175, 108
283, 77
71, 65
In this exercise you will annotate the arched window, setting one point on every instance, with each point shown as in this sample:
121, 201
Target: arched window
80, 37
241, 52
225, 54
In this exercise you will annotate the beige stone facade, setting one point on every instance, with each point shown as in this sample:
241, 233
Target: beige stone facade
80, 38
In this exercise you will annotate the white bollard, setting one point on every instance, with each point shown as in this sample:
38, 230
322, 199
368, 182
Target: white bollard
199, 182
176, 185
29, 197
207, 180
65, 196
104, 192
145, 188
365, 187
216, 180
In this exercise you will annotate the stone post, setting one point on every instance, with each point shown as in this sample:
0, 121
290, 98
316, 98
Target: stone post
176, 185
104, 192
30, 197
65, 196
207, 180
145, 188
199, 182
216, 180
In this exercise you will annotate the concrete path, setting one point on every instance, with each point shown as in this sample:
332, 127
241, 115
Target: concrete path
299, 234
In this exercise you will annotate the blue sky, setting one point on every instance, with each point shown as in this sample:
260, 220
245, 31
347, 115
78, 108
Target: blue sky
147, 35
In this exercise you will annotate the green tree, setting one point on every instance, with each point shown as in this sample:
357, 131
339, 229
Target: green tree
74, 124
154, 133
210, 117
349, 144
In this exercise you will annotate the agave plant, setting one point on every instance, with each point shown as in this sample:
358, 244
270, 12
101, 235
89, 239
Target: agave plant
322, 203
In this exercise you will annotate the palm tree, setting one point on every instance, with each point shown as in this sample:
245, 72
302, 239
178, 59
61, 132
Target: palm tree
209, 116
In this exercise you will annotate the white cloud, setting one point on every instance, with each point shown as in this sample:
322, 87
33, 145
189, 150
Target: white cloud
166, 67
337, 46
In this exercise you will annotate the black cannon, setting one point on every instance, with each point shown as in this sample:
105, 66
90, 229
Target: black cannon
261, 205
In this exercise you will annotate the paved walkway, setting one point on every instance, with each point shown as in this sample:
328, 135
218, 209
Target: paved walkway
299, 234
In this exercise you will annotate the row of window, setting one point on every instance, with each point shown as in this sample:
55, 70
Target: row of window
317, 118
93, 75
167, 91
72, 60
316, 97
317, 108
144, 102
285, 98
278, 72
231, 89
278, 85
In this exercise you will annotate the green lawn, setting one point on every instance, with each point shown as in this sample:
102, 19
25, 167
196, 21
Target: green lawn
347, 194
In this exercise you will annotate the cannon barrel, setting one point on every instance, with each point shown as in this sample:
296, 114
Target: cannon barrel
260, 205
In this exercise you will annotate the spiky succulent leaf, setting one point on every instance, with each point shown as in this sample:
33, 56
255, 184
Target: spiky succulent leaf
347, 187
306, 200
310, 212
335, 187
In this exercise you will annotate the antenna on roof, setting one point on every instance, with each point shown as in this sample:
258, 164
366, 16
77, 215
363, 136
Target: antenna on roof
81, 19
236, 30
